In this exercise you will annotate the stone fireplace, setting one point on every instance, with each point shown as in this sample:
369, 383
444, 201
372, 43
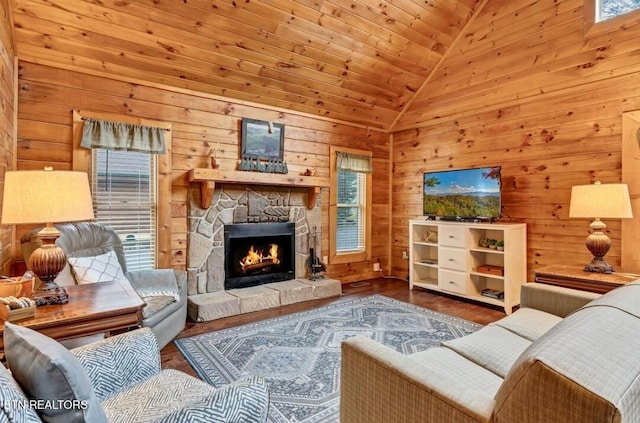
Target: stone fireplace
239, 204
214, 249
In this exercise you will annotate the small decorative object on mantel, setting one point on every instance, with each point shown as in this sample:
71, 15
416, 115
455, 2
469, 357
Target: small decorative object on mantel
254, 164
262, 147
213, 162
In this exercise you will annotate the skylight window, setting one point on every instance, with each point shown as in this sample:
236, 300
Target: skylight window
607, 9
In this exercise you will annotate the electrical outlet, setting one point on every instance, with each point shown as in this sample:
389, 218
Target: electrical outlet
405, 256
376, 267
325, 259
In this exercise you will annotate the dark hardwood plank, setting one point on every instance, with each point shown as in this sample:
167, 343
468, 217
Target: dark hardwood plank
394, 288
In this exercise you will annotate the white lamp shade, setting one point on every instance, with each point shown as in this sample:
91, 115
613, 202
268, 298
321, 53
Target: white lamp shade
600, 201
46, 196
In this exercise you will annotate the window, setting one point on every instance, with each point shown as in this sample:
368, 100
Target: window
350, 214
123, 186
350, 207
607, 9
158, 172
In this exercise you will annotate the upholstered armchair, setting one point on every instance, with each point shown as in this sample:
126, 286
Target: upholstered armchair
115, 380
95, 254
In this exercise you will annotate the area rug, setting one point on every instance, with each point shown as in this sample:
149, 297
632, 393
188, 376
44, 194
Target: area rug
299, 354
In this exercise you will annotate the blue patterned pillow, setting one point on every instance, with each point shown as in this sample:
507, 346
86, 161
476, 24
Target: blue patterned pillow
101, 268
14, 406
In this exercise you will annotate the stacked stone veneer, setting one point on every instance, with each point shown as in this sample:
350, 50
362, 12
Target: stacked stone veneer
233, 204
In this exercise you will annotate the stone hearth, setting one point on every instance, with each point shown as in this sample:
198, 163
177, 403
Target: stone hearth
234, 204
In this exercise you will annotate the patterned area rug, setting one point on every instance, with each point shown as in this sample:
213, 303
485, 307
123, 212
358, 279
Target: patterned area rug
299, 354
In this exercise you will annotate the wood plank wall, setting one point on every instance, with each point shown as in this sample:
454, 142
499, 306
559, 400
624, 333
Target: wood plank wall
7, 124
530, 91
48, 95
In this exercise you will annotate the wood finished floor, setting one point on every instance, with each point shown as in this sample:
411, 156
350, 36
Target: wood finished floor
394, 288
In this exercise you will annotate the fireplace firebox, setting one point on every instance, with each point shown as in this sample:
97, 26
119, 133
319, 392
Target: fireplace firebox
258, 253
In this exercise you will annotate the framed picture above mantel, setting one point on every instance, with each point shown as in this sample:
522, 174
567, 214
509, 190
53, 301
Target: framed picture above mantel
262, 139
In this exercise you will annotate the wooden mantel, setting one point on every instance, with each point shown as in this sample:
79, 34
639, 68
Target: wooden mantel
207, 179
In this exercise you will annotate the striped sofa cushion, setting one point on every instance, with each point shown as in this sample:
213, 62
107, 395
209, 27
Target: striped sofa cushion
492, 347
529, 323
452, 365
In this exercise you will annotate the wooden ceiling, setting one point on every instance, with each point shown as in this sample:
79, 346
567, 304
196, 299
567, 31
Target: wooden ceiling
359, 61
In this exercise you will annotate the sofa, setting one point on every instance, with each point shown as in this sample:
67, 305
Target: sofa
117, 379
564, 356
91, 246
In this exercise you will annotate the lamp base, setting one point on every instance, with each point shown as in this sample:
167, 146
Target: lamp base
599, 266
56, 295
46, 262
598, 243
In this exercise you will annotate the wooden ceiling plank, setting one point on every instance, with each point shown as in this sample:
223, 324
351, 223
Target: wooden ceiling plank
438, 15
461, 34
439, 32
184, 99
505, 97
233, 40
356, 27
382, 66
293, 46
327, 57
556, 72
382, 19
497, 9
501, 32
499, 65
177, 61
280, 99
167, 39
135, 106
6, 32
153, 31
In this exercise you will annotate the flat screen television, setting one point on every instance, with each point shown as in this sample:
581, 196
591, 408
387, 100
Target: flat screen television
462, 194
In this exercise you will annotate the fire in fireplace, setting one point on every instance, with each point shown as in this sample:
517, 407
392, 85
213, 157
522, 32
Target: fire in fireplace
258, 253
256, 260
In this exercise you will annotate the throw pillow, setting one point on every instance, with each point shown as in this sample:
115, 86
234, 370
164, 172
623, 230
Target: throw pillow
14, 406
52, 375
101, 268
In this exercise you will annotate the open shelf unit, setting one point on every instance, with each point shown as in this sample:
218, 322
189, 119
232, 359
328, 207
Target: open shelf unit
453, 257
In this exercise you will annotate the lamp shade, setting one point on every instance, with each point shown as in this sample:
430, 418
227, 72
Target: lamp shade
600, 201
46, 196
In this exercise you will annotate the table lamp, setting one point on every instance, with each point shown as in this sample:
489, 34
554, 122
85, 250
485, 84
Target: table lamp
597, 201
46, 196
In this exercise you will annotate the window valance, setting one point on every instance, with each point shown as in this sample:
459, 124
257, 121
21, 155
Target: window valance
354, 162
109, 135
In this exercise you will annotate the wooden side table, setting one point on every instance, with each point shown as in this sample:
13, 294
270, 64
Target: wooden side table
575, 277
92, 308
